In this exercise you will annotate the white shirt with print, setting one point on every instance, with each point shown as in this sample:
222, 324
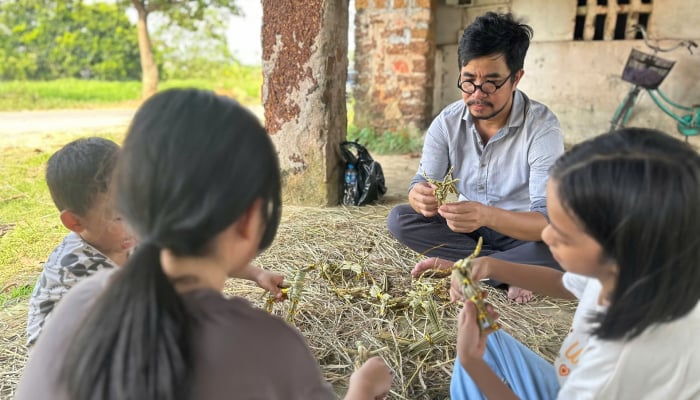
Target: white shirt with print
587, 290
71, 261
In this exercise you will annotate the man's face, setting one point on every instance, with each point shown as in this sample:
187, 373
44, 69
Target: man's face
492, 69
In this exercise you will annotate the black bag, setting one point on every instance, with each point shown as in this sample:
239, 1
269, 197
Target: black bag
370, 176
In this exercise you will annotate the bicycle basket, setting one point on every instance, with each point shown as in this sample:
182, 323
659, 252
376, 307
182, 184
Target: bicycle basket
646, 70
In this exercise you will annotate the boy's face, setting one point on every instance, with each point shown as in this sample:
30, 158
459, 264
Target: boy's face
104, 228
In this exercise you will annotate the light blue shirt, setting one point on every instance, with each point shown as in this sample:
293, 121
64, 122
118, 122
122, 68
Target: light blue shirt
511, 171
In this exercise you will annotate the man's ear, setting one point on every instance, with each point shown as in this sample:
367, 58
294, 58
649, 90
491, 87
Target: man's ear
72, 221
518, 76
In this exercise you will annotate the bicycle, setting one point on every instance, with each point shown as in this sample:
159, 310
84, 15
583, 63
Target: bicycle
646, 72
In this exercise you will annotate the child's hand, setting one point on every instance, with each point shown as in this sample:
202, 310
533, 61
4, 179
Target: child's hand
471, 342
270, 281
481, 269
371, 381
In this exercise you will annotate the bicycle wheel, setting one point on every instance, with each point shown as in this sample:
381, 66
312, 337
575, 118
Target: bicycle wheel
624, 110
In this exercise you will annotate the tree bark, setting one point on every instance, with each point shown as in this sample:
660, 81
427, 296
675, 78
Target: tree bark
149, 69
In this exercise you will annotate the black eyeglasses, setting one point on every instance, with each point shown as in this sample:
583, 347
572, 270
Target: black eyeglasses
488, 87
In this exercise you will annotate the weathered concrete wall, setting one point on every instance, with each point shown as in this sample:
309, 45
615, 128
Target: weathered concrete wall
450, 23
579, 80
394, 60
304, 72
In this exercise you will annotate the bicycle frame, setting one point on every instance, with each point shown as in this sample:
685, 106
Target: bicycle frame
687, 125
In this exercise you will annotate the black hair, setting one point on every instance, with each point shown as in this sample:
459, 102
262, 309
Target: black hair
492, 34
79, 171
192, 163
636, 191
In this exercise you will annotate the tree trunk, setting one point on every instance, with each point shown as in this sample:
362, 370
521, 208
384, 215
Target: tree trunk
149, 69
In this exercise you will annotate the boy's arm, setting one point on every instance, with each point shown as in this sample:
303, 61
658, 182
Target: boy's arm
542, 280
268, 280
49, 289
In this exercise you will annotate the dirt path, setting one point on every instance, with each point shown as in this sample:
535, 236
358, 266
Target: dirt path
15, 124
30, 128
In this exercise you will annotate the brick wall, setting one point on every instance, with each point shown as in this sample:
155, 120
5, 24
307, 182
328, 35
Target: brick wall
394, 60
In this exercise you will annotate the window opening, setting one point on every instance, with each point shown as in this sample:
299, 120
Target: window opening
610, 19
620, 25
578, 27
599, 27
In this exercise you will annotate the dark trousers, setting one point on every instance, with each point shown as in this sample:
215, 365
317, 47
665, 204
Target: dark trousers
432, 237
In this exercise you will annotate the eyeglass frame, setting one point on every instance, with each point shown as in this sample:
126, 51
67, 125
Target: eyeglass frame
480, 87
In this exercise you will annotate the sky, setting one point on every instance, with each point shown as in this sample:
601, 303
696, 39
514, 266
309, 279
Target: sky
243, 33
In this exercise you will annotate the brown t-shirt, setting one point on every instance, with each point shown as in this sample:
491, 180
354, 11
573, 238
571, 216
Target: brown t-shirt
241, 352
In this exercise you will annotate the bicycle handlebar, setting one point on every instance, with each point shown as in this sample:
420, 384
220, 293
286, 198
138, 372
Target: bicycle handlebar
689, 44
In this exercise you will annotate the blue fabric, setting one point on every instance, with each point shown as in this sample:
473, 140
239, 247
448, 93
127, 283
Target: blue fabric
526, 373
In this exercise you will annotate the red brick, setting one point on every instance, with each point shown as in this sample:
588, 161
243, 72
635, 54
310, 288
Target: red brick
421, 47
396, 49
361, 4
419, 65
400, 67
399, 3
420, 33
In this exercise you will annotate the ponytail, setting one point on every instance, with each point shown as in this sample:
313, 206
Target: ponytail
134, 343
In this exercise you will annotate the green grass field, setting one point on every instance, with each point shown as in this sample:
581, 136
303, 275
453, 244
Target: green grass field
29, 224
74, 93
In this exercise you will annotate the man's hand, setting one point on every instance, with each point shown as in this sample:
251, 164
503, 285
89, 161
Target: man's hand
464, 216
430, 263
422, 199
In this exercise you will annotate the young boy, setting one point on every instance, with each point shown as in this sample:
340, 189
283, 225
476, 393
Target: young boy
78, 177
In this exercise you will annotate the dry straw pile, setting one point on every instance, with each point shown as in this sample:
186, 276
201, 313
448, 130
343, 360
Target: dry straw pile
353, 297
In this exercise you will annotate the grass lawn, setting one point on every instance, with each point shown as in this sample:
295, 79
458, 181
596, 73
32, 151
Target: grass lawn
29, 223
75, 93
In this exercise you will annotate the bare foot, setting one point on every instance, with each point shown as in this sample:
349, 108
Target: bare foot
432, 263
519, 295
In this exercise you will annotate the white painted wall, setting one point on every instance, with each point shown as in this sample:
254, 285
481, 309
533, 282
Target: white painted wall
581, 82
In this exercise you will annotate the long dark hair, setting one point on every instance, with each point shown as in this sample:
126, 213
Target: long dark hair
192, 164
637, 192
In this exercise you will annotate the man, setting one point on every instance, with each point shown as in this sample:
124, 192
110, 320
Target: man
500, 144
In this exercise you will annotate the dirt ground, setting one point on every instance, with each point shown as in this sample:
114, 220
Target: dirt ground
398, 169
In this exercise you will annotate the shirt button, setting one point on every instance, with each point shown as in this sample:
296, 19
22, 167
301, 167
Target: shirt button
481, 187
483, 165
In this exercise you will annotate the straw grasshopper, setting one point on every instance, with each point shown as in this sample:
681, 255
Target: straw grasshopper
472, 291
444, 187
461, 270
